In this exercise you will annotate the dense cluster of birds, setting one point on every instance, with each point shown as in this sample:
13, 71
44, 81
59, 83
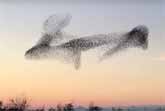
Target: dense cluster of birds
54, 43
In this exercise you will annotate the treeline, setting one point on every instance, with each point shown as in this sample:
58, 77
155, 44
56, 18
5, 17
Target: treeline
22, 104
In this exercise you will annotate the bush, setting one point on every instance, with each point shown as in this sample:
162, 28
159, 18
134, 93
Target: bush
92, 107
69, 107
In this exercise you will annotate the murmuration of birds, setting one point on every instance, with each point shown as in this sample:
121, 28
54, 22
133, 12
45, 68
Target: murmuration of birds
55, 43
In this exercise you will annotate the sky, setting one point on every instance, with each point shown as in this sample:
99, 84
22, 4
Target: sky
133, 77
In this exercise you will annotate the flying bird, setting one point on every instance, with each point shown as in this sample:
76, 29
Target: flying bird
54, 43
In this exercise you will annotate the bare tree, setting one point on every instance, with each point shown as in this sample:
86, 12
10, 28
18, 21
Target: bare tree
18, 104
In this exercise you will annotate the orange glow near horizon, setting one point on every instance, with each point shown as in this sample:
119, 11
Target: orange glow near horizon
107, 86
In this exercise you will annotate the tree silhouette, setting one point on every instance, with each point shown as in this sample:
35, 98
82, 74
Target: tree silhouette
69, 107
92, 107
18, 104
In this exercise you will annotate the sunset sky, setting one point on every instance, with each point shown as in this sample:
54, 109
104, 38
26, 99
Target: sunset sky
133, 77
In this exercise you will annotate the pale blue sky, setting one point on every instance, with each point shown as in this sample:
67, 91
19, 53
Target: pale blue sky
26, 18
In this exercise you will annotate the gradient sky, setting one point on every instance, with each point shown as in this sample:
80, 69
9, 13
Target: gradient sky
134, 77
